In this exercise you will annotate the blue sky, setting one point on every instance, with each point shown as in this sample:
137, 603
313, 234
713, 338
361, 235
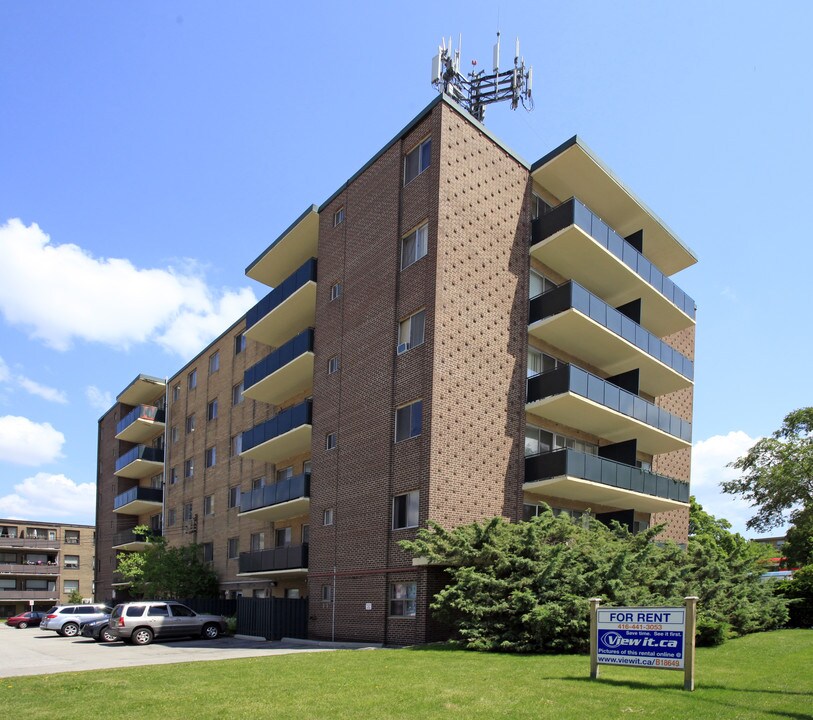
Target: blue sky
151, 150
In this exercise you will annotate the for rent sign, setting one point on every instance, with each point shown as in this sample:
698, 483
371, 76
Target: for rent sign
649, 637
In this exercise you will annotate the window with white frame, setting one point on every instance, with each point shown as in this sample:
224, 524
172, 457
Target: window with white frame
70, 586
411, 331
209, 505
187, 511
285, 473
211, 456
171, 517
408, 421
537, 284
338, 216
538, 441
327, 593
190, 423
282, 537
237, 393
208, 552
176, 393
236, 444
333, 365
214, 362
330, 441
211, 409
417, 160
71, 562
189, 468
173, 476
327, 517
539, 362
405, 510
234, 496
239, 343
335, 291
192, 379
402, 599
257, 542
233, 550
257, 483
539, 207
413, 246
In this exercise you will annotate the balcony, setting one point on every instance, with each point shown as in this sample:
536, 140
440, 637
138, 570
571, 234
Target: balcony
283, 373
296, 244
131, 541
286, 310
8, 595
28, 569
144, 390
282, 499
573, 169
139, 501
276, 562
573, 475
142, 424
286, 434
579, 323
37, 543
140, 462
583, 401
577, 244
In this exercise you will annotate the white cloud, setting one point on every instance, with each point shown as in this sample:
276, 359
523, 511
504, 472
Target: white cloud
63, 293
43, 391
709, 460
47, 496
25, 442
98, 399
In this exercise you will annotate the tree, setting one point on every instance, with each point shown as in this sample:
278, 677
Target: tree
75, 597
798, 547
778, 473
165, 571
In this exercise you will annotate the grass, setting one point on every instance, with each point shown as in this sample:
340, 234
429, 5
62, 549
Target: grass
769, 675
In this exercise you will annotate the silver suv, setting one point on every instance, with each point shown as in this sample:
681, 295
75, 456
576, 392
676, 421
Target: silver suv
140, 622
66, 619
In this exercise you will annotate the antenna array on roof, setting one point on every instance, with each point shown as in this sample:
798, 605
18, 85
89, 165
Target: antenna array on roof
479, 88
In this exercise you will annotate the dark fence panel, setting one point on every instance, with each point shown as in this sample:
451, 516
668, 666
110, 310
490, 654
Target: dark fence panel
272, 618
211, 606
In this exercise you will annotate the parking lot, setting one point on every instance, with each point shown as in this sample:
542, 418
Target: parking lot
36, 652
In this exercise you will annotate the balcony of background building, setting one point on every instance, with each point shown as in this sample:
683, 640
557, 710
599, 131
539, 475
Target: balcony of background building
29, 569
142, 424
144, 390
595, 480
140, 462
577, 244
9, 595
574, 320
286, 371
578, 399
285, 435
277, 562
139, 501
130, 540
282, 499
292, 248
286, 310
573, 169
37, 543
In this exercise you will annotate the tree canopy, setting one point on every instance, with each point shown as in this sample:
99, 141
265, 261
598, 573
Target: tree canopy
777, 473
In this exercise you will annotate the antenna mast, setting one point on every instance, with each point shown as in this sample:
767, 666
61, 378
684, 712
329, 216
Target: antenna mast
479, 88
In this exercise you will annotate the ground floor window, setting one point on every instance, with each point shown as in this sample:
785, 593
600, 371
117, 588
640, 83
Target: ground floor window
402, 599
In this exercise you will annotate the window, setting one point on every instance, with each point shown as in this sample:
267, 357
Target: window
211, 456
413, 246
157, 481
538, 207
402, 599
285, 473
330, 441
72, 537
306, 467
336, 291
208, 552
538, 284
233, 550
236, 444
211, 410
234, 496
187, 511
157, 611
239, 343
539, 362
173, 476
411, 331
327, 593
257, 483
72, 562
408, 421
171, 517
306, 534
237, 393
333, 365
282, 537
405, 510
192, 380
70, 586
176, 393
257, 542
209, 505
338, 216
328, 516
214, 362
417, 160
174, 434
190, 423
189, 468
292, 593
538, 441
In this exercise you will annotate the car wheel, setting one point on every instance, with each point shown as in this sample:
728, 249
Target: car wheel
70, 629
211, 631
107, 636
142, 636
23, 625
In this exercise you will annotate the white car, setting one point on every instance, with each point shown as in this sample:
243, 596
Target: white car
66, 619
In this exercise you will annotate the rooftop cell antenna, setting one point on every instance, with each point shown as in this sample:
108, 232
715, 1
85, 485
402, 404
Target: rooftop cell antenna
479, 88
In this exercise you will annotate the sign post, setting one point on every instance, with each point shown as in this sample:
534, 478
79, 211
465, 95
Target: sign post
594, 603
691, 626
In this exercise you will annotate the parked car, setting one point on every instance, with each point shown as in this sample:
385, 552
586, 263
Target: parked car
26, 619
65, 619
98, 630
141, 622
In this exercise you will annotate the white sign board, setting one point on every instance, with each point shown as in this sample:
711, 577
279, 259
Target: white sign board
643, 636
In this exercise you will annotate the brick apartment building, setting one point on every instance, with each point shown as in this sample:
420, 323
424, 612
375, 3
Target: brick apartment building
454, 334
42, 563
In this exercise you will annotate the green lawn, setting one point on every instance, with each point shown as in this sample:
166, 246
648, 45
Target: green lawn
769, 675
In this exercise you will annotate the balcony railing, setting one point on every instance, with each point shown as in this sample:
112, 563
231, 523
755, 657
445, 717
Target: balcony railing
9, 594
306, 273
142, 412
18, 542
571, 379
29, 569
570, 295
298, 486
283, 355
138, 494
280, 424
286, 558
604, 472
140, 452
126, 537
574, 212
